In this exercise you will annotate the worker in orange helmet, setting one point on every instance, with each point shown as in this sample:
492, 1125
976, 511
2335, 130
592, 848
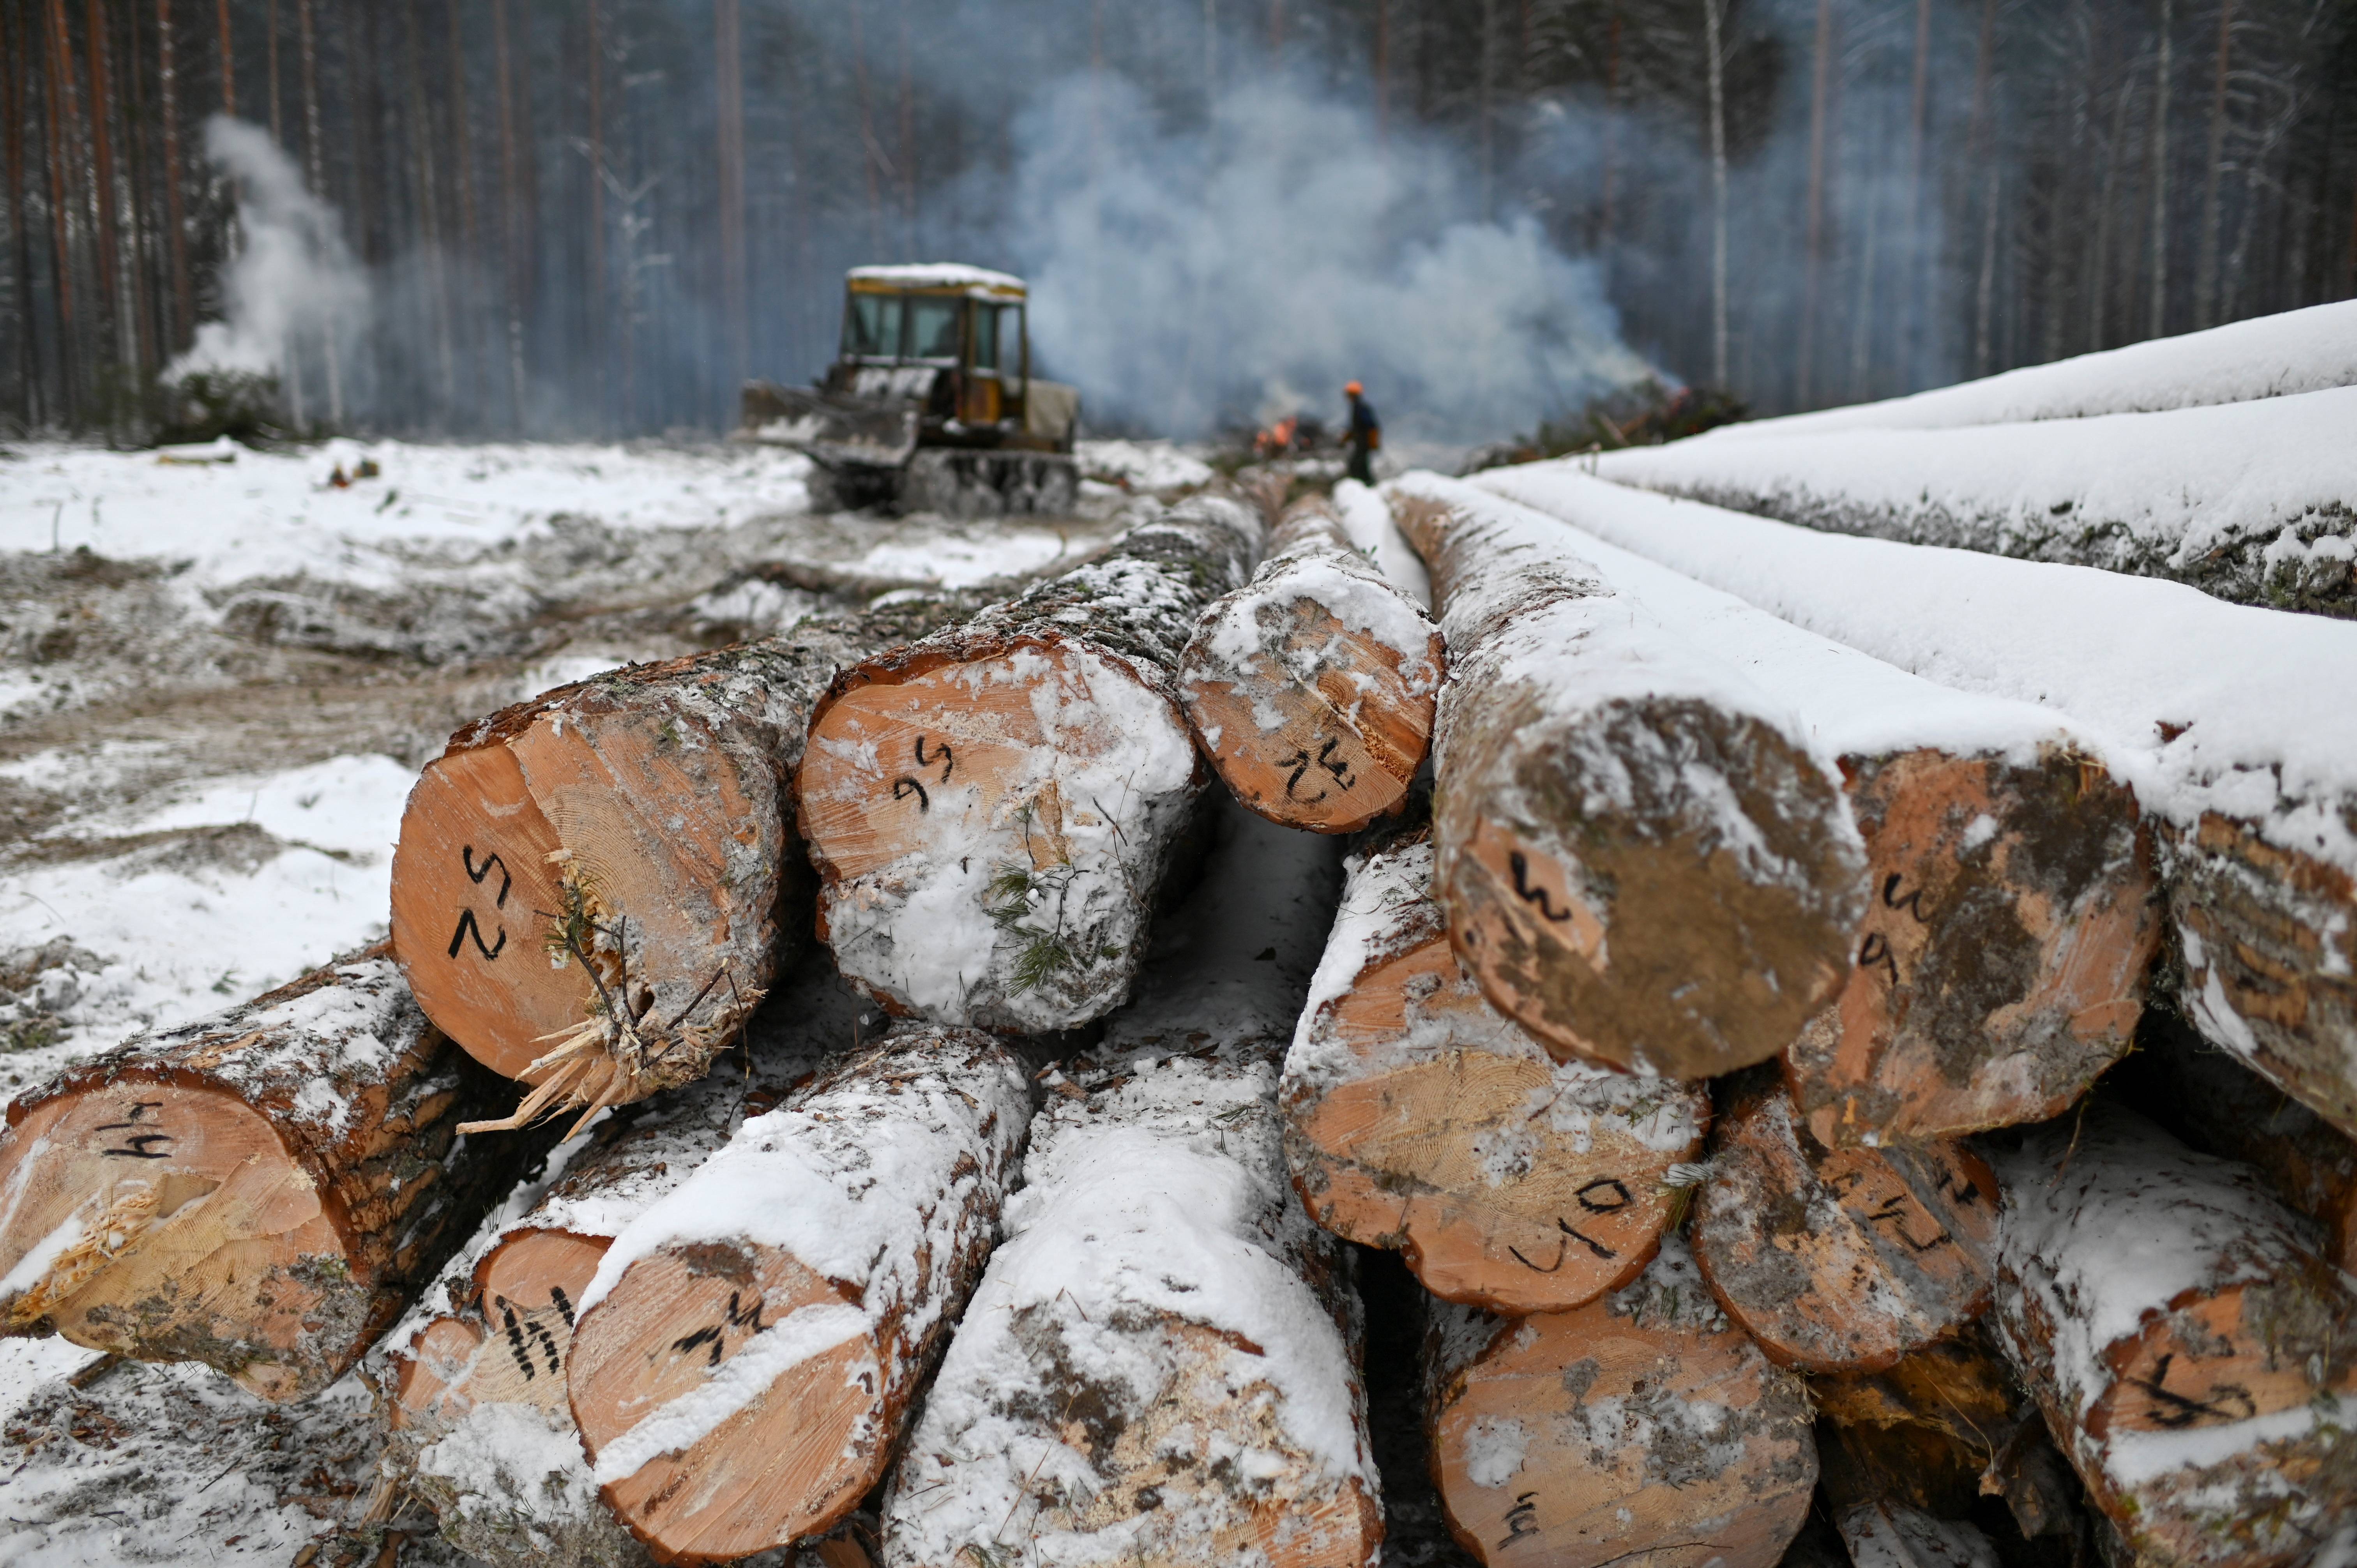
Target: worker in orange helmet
1363, 434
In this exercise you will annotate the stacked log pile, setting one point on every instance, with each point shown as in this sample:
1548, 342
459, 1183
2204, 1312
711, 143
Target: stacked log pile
1724, 1040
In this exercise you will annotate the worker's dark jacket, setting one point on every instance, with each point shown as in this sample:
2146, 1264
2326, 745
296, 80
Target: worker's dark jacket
1365, 431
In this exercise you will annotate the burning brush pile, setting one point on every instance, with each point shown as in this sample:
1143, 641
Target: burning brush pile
1725, 1039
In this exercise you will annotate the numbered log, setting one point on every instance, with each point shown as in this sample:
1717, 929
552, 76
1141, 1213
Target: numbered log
1419, 1119
481, 1429
1643, 1425
2193, 1354
746, 1354
1311, 688
991, 809
1840, 1259
1641, 859
1161, 1362
264, 1190
592, 888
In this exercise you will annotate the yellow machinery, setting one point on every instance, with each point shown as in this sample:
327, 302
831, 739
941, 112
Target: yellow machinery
931, 404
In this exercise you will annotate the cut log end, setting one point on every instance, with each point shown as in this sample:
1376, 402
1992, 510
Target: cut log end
2002, 965
1683, 932
512, 1347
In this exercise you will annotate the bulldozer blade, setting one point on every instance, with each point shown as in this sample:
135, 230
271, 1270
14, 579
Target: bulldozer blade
839, 431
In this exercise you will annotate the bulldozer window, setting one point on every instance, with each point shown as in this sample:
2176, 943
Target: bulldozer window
933, 329
985, 336
871, 327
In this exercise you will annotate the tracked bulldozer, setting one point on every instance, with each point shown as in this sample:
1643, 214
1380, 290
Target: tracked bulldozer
931, 404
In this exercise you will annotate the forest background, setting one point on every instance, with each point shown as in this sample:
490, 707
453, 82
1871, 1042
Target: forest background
570, 217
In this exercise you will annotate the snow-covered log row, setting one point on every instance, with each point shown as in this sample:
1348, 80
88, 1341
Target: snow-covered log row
592, 888
1417, 1117
2013, 920
264, 1190
992, 809
1642, 858
2231, 724
1160, 1364
1311, 688
2193, 1354
2249, 501
482, 1428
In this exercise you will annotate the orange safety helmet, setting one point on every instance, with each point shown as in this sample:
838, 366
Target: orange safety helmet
1351, 389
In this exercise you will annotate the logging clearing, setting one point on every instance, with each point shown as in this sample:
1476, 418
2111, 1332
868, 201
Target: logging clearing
1419, 1118
992, 809
1642, 859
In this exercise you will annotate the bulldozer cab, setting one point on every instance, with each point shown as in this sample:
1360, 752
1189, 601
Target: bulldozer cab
951, 338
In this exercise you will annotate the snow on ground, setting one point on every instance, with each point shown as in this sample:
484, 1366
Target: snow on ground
2268, 355
1155, 468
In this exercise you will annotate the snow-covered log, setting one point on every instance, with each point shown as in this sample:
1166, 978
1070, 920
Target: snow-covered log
992, 809
1311, 688
482, 1431
612, 864
2230, 724
745, 1354
1161, 1362
2248, 501
2265, 357
264, 1190
1840, 1259
1419, 1118
1643, 1426
2195, 1356
1642, 859
2013, 919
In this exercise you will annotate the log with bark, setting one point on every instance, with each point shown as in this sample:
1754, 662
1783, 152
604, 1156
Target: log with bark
481, 1429
1419, 1118
262, 1191
1161, 1362
2229, 723
992, 809
1642, 859
2013, 919
2195, 1356
1842, 1259
1643, 1425
1311, 688
745, 1357
593, 889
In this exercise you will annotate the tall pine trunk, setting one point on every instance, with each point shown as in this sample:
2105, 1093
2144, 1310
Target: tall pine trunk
315, 156
1913, 261
2159, 318
728, 47
1712, 15
2205, 281
16, 56
72, 344
100, 185
228, 62
1814, 264
470, 253
184, 312
512, 209
428, 203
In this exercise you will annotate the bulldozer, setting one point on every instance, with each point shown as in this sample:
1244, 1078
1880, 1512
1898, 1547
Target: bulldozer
931, 404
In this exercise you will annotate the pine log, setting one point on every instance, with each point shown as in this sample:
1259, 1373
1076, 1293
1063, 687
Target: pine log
1419, 1119
2193, 1354
1840, 1259
1311, 688
1893, 1535
1161, 1362
592, 888
482, 1431
2248, 773
745, 1357
1643, 1425
262, 1191
1642, 860
2215, 1102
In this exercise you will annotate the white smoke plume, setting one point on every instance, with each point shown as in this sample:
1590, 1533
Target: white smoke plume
1255, 262
293, 293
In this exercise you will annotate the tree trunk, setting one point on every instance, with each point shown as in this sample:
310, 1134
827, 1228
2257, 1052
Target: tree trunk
612, 864
491, 1354
264, 1190
15, 63
1717, 76
1840, 1259
2205, 281
2158, 327
746, 1354
183, 304
112, 280
228, 64
462, 162
1418, 1119
1311, 688
729, 119
315, 152
991, 810
2195, 1358
1820, 98
1641, 1425
73, 346
1586, 847
512, 212
1161, 1303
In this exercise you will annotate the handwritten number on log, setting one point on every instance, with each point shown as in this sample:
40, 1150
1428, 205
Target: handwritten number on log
2176, 1412
556, 1295
1912, 903
1594, 1206
467, 927
1602, 1188
1523, 1518
716, 1335
904, 785
1301, 762
1874, 950
515, 1339
466, 855
136, 1147
1894, 1209
1520, 864
942, 754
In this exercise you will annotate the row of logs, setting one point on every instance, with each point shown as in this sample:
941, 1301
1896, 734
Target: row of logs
1673, 840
